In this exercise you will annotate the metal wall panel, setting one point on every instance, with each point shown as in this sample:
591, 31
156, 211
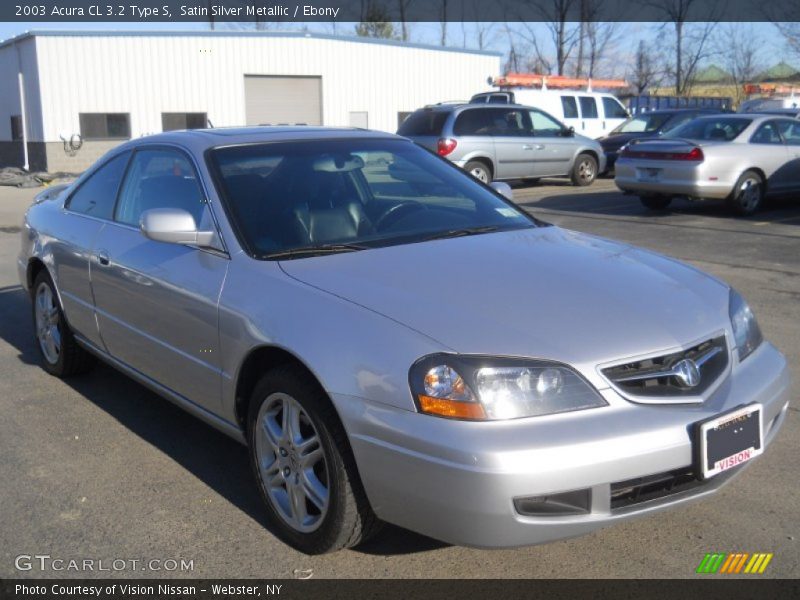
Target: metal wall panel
146, 75
274, 100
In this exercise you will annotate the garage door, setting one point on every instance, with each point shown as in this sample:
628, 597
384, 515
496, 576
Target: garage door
282, 100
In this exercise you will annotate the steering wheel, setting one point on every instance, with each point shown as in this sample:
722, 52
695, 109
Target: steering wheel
397, 212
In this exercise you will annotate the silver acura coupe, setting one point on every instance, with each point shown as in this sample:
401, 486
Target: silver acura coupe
396, 341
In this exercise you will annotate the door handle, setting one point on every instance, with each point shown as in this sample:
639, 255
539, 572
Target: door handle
102, 258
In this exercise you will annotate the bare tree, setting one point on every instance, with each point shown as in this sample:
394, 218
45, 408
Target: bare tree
444, 23
786, 19
402, 10
692, 40
528, 51
557, 17
476, 24
646, 73
740, 51
595, 37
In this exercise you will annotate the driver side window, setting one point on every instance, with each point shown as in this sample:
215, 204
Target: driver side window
544, 125
160, 178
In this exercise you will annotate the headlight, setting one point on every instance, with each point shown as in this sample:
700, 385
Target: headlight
486, 388
746, 332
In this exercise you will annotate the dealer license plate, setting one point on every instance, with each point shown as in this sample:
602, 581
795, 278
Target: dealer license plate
729, 440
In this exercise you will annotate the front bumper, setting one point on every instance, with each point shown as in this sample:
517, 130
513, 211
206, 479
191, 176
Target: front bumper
456, 481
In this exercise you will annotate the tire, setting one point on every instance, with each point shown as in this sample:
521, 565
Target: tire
313, 523
60, 353
747, 195
584, 171
655, 202
479, 170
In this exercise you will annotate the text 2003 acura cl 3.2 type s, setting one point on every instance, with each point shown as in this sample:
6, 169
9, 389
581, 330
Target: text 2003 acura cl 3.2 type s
397, 342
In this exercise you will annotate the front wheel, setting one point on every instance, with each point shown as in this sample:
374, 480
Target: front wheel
655, 202
304, 467
479, 171
747, 195
584, 171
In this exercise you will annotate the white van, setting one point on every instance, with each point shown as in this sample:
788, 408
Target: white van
774, 103
593, 114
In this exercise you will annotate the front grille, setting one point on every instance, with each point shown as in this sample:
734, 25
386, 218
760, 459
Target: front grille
666, 377
652, 487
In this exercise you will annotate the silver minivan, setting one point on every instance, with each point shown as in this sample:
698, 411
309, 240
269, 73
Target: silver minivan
505, 142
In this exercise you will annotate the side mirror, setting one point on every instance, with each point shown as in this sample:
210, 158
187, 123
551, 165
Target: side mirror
174, 226
569, 132
502, 188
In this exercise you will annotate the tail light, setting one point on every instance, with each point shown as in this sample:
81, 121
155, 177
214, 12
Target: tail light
445, 146
694, 155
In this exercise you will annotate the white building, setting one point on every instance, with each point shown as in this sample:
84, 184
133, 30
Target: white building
67, 97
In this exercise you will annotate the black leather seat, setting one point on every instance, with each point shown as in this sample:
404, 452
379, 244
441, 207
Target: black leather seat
327, 210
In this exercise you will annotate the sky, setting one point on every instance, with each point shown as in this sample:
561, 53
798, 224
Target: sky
772, 48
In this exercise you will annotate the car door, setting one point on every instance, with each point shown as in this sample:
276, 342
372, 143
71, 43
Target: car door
790, 132
553, 151
157, 303
771, 155
614, 114
86, 211
513, 146
590, 117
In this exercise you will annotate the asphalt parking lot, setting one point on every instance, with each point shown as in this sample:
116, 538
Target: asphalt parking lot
100, 468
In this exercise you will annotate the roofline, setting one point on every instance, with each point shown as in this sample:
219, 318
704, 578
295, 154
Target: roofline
265, 34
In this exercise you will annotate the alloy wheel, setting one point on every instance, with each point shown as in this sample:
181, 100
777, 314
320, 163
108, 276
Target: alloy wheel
292, 464
750, 194
47, 323
586, 170
480, 174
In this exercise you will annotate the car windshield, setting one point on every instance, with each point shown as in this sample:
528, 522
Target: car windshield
294, 199
717, 129
643, 123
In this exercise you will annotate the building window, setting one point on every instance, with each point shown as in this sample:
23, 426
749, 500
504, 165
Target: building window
105, 126
16, 128
172, 121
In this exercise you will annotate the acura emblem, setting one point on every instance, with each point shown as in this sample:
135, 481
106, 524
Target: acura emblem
687, 373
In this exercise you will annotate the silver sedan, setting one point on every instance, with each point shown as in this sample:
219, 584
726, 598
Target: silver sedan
396, 341
738, 158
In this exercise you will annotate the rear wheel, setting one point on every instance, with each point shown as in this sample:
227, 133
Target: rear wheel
479, 170
61, 355
747, 195
304, 466
655, 202
584, 171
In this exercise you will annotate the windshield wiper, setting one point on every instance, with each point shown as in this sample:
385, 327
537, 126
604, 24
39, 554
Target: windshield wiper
316, 250
453, 233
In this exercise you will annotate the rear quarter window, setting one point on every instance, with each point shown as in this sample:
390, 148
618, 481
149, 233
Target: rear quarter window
423, 122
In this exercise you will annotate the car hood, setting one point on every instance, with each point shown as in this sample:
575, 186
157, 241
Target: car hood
544, 292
